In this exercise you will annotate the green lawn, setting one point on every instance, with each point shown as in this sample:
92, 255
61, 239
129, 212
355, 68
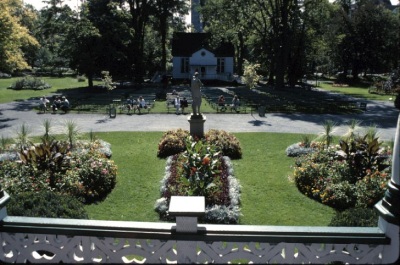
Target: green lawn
58, 85
358, 92
268, 197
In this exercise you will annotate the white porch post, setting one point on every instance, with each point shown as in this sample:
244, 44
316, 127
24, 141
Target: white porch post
389, 206
187, 209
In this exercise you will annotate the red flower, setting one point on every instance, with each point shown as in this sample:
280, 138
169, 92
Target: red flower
206, 160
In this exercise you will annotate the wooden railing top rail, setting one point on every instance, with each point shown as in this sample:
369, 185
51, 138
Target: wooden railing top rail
206, 232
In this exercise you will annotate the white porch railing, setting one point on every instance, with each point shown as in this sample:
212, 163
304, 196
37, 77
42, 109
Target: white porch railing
47, 240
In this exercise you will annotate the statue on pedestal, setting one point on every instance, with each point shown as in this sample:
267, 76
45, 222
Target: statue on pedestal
196, 86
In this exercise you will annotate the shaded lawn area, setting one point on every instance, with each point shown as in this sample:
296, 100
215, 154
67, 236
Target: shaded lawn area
268, 197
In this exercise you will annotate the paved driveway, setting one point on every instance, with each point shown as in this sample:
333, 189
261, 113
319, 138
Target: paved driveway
14, 114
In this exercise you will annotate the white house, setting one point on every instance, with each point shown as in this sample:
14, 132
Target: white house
191, 53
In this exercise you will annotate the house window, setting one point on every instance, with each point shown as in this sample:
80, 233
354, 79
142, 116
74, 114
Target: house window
220, 65
184, 65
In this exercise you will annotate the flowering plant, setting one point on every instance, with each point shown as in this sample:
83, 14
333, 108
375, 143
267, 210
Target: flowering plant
200, 165
172, 142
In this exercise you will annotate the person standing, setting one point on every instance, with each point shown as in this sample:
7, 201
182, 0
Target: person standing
177, 104
196, 86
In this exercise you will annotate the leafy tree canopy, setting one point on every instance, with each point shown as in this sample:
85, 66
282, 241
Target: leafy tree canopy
13, 36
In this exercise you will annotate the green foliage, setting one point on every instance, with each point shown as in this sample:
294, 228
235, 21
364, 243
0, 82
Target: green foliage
72, 132
45, 204
172, 142
226, 142
326, 136
30, 83
90, 176
356, 217
84, 172
107, 80
250, 76
371, 188
200, 164
362, 154
356, 176
22, 140
15, 37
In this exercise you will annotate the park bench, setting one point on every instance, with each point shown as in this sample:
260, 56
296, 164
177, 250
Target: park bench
362, 106
123, 108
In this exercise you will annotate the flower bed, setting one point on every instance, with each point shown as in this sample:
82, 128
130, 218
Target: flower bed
201, 171
85, 171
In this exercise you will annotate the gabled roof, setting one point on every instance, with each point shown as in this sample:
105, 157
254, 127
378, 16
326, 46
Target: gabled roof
185, 44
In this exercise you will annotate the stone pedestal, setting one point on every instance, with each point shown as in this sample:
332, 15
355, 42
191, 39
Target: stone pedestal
197, 125
187, 209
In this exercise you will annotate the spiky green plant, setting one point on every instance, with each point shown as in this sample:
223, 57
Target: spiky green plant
92, 136
306, 140
327, 135
4, 142
72, 132
351, 131
22, 140
47, 127
372, 133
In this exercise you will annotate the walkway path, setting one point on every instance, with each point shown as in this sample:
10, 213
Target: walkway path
13, 115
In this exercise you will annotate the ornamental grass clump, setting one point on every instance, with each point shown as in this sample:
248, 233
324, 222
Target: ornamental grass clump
201, 170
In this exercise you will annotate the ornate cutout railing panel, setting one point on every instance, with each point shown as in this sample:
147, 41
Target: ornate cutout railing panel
39, 248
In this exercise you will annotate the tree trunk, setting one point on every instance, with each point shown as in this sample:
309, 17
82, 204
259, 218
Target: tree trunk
90, 80
163, 31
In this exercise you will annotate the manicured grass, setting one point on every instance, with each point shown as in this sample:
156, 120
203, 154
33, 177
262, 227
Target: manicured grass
358, 92
268, 197
58, 85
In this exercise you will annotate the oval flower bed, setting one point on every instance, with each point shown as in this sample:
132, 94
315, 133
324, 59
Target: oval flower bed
201, 171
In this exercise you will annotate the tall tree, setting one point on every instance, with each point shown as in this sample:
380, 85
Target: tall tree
113, 24
55, 19
225, 20
83, 48
13, 37
165, 10
369, 35
140, 11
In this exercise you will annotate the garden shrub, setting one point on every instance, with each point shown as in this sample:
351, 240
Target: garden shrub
84, 172
17, 178
46, 204
356, 217
371, 188
343, 179
28, 82
90, 176
172, 142
227, 143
